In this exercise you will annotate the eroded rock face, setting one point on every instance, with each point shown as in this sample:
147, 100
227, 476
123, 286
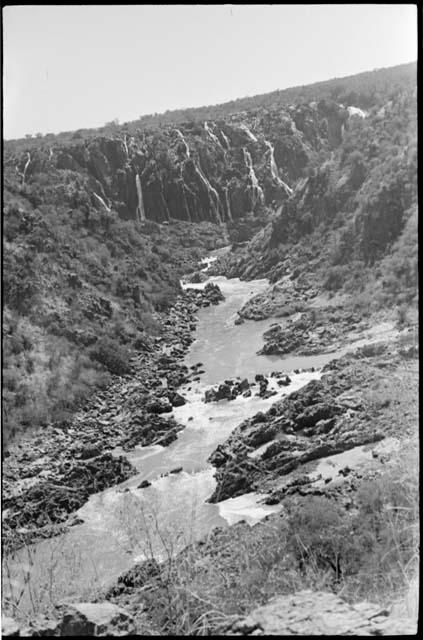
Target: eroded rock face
309, 613
48, 503
49, 477
80, 619
194, 172
95, 619
323, 418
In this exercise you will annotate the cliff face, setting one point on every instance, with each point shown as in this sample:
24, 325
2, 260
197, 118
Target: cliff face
100, 225
352, 217
209, 171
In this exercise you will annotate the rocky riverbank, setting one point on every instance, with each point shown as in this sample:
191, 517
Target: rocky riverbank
49, 475
354, 409
358, 401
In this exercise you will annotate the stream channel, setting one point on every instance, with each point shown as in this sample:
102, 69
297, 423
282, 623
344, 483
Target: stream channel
126, 524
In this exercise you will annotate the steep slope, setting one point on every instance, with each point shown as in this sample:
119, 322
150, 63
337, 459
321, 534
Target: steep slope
99, 228
351, 222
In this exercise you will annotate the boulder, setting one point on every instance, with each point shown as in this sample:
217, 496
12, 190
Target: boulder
212, 294
244, 385
318, 613
176, 399
89, 451
9, 626
144, 484
159, 405
95, 619
223, 392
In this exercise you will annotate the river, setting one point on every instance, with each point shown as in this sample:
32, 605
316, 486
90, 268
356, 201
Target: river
126, 524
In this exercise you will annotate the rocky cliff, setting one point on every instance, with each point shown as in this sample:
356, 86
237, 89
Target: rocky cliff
215, 171
352, 216
100, 225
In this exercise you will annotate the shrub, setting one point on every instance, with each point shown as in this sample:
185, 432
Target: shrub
112, 355
402, 315
335, 278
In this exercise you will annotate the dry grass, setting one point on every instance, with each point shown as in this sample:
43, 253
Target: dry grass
34, 585
199, 591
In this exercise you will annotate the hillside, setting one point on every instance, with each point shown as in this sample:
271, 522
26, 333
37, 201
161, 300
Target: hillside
351, 224
93, 246
179, 473
362, 89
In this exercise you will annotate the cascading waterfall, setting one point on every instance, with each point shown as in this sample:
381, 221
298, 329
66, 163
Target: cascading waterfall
226, 139
356, 111
101, 201
258, 194
126, 146
187, 151
274, 168
228, 205
212, 135
140, 207
248, 132
213, 195
28, 162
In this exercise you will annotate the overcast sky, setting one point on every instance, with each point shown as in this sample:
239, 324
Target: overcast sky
67, 67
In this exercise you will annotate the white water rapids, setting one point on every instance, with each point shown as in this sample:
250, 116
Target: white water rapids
125, 524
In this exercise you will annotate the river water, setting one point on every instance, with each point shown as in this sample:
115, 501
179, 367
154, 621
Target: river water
126, 524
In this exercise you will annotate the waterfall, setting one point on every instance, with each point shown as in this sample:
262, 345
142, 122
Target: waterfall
256, 189
25, 168
212, 135
101, 201
140, 207
187, 151
355, 111
126, 146
228, 205
215, 200
226, 139
274, 168
248, 132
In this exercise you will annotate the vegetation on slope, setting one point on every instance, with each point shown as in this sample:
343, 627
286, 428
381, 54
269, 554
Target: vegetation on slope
351, 223
82, 286
362, 90
367, 553
81, 293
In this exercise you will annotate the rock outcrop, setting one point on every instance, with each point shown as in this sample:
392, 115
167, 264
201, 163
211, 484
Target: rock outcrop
218, 171
328, 416
79, 619
49, 476
309, 613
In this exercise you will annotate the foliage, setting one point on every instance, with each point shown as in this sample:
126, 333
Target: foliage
369, 552
72, 272
112, 355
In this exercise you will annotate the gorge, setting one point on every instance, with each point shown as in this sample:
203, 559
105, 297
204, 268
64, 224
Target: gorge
210, 333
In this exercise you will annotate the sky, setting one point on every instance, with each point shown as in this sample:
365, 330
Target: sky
80, 66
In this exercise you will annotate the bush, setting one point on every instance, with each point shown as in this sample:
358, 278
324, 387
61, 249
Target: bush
112, 355
335, 278
369, 552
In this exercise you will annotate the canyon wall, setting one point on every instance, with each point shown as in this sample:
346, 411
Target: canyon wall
211, 171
